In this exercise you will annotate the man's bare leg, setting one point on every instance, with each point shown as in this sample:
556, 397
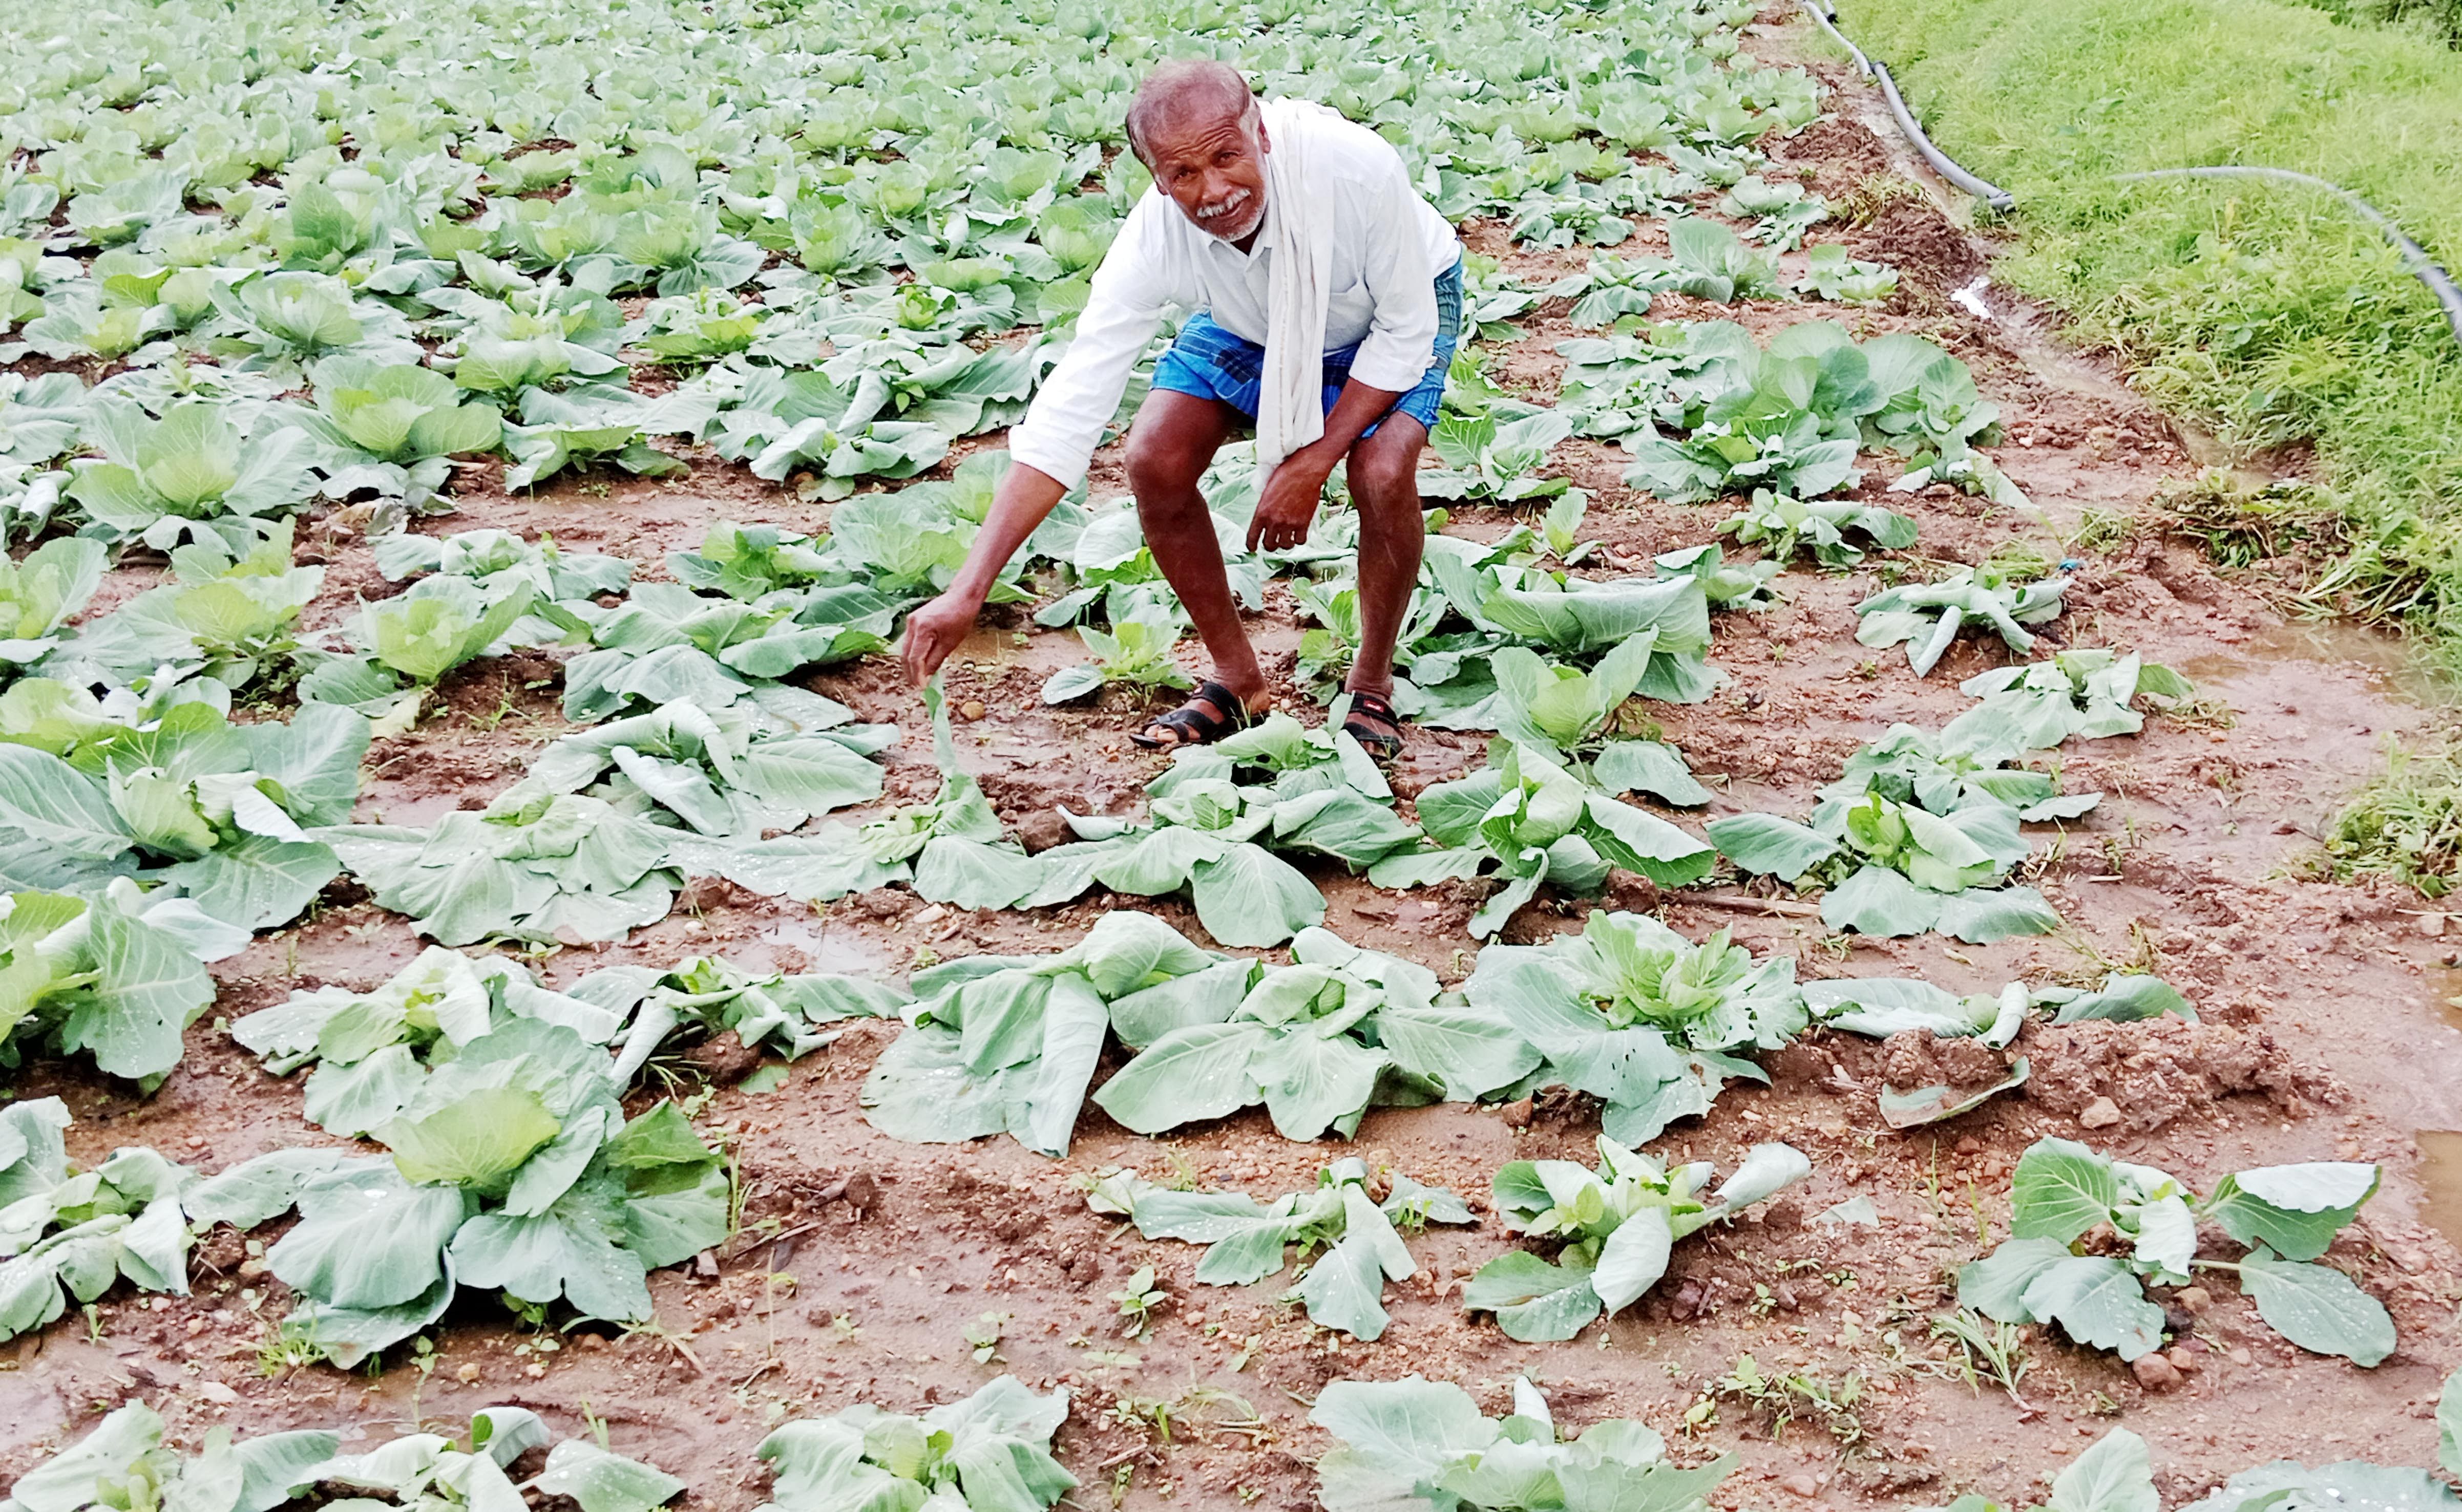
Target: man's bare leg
1174, 441
1384, 473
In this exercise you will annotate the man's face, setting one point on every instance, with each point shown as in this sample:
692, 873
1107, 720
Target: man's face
1214, 168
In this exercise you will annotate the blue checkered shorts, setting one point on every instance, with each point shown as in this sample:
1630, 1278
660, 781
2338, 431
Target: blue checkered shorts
1210, 362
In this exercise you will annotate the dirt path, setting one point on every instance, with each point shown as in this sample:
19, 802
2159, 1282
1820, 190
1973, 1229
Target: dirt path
2322, 1039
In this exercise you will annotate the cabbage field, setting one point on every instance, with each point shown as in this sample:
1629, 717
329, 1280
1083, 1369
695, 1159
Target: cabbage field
506, 997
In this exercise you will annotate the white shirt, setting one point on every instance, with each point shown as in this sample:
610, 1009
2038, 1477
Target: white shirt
1389, 247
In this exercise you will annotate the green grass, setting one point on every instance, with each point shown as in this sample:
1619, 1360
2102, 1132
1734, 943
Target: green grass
2268, 313
2404, 826
2439, 19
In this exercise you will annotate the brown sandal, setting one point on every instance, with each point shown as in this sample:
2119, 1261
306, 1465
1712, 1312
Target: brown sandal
1372, 722
1211, 712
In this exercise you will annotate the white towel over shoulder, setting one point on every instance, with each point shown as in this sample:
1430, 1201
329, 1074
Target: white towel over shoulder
1290, 406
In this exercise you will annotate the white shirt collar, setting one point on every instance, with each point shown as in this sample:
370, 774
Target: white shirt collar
1267, 233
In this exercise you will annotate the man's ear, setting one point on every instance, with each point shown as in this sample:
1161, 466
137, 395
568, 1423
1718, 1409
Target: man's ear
1264, 143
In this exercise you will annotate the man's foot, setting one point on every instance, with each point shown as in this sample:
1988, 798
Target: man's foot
1212, 712
1372, 722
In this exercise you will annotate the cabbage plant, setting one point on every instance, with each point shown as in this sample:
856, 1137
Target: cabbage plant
1415, 1445
223, 810
990, 1452
1524, 821
194, 474
511, 1169
2285, 1217
1927, 617
89, 974
71, 1234
1616, 1226
39, 594
1246, 1240
392, 429
222, 619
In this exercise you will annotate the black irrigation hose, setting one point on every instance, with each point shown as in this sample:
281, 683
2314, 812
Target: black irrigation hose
2414, 256
1818, 10
1997, 198
1990, 193
1942, 163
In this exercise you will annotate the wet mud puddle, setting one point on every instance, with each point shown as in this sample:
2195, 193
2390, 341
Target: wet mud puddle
2274, 674
2440, 1176
2391, 667
2440, 1150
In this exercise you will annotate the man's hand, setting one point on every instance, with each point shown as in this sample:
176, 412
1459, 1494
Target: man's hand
934, 629
1022, 500
1288, 506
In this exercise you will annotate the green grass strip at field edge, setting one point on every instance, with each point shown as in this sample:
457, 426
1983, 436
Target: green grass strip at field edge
2414, 256
2274, 321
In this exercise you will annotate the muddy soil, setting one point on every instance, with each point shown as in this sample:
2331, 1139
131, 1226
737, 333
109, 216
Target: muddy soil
2325, 1036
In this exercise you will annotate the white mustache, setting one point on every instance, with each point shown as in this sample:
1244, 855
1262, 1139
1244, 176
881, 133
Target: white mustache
1237, 203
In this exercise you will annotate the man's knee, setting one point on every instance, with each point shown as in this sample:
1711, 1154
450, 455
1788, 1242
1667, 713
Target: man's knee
1388, 475
1165, 462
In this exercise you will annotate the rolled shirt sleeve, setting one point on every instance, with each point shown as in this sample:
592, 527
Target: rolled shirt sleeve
1402, 334
1124, 305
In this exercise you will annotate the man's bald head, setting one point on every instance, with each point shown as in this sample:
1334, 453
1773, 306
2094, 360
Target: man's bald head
1187, 93
1197, 128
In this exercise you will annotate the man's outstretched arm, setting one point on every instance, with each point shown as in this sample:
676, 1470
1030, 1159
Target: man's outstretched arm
1023, 499
1049, 448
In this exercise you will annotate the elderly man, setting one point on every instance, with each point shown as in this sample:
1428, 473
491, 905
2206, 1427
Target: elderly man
1326, 298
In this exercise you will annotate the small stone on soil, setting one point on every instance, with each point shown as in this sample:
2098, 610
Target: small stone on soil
2101, 1113
1042, 829
2155, 1373
724, 1059
1631, 894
